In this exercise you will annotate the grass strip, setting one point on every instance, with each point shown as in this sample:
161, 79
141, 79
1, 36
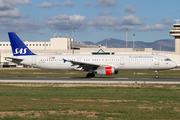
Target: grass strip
48, 102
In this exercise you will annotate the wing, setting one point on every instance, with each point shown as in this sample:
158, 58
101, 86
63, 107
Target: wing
15, 60
85, 66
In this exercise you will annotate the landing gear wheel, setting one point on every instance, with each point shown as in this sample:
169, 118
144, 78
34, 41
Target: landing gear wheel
90, 75
156, 76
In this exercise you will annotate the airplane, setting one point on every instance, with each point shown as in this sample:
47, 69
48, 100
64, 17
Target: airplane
94, 64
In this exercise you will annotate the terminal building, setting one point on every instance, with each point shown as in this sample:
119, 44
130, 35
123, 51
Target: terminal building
64, 45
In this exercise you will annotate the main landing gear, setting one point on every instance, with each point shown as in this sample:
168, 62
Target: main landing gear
156, 74
90, 75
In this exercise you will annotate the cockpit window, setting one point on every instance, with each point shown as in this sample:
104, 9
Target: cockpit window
167, 59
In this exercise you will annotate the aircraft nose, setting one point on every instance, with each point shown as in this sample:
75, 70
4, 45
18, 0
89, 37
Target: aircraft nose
174, 64
177, 64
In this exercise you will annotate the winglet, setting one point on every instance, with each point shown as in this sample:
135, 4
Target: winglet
17, 45
64, 60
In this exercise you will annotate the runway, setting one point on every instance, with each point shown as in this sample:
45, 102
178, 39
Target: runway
123, 80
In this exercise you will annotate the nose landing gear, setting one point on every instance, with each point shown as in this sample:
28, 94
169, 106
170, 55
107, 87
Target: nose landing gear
156, 76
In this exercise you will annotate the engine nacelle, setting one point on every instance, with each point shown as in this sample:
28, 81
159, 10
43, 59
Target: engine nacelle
106, 71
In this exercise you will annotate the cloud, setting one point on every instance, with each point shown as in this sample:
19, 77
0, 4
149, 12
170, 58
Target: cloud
20, 26
167, 21
45, 5
106, 3
105, 21
65, 22
105, 13
10, 17
88, 3
7, 8
131, 20
15, 2
67, 3
130, 9
9, 4
123, 27
157, 27
26, 26
50, 5
115, 23
12, 13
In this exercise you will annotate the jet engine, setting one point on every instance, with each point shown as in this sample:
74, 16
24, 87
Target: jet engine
106, 71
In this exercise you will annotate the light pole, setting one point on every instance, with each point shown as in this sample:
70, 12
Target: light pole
159, 47
72, 28
133, 40
126, 36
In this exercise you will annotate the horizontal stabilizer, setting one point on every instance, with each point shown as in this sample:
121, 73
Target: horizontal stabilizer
15, 60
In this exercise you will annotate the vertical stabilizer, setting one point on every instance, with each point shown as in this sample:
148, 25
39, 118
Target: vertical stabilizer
17, 45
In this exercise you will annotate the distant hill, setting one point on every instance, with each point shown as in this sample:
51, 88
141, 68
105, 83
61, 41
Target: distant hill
166, 44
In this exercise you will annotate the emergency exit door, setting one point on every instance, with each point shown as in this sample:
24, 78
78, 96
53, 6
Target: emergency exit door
121, 61
34, 60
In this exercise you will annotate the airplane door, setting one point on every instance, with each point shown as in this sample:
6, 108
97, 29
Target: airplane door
121, 61
156, 58
34, 60
79, 59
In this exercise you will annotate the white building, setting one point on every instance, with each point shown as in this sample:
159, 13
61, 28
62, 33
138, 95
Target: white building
176, 33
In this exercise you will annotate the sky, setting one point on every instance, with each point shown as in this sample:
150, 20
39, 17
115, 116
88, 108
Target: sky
94, 20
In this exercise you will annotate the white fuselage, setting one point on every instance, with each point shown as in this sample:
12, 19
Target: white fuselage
119, 62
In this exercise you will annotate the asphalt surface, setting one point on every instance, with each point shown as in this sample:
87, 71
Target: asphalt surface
36, 79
